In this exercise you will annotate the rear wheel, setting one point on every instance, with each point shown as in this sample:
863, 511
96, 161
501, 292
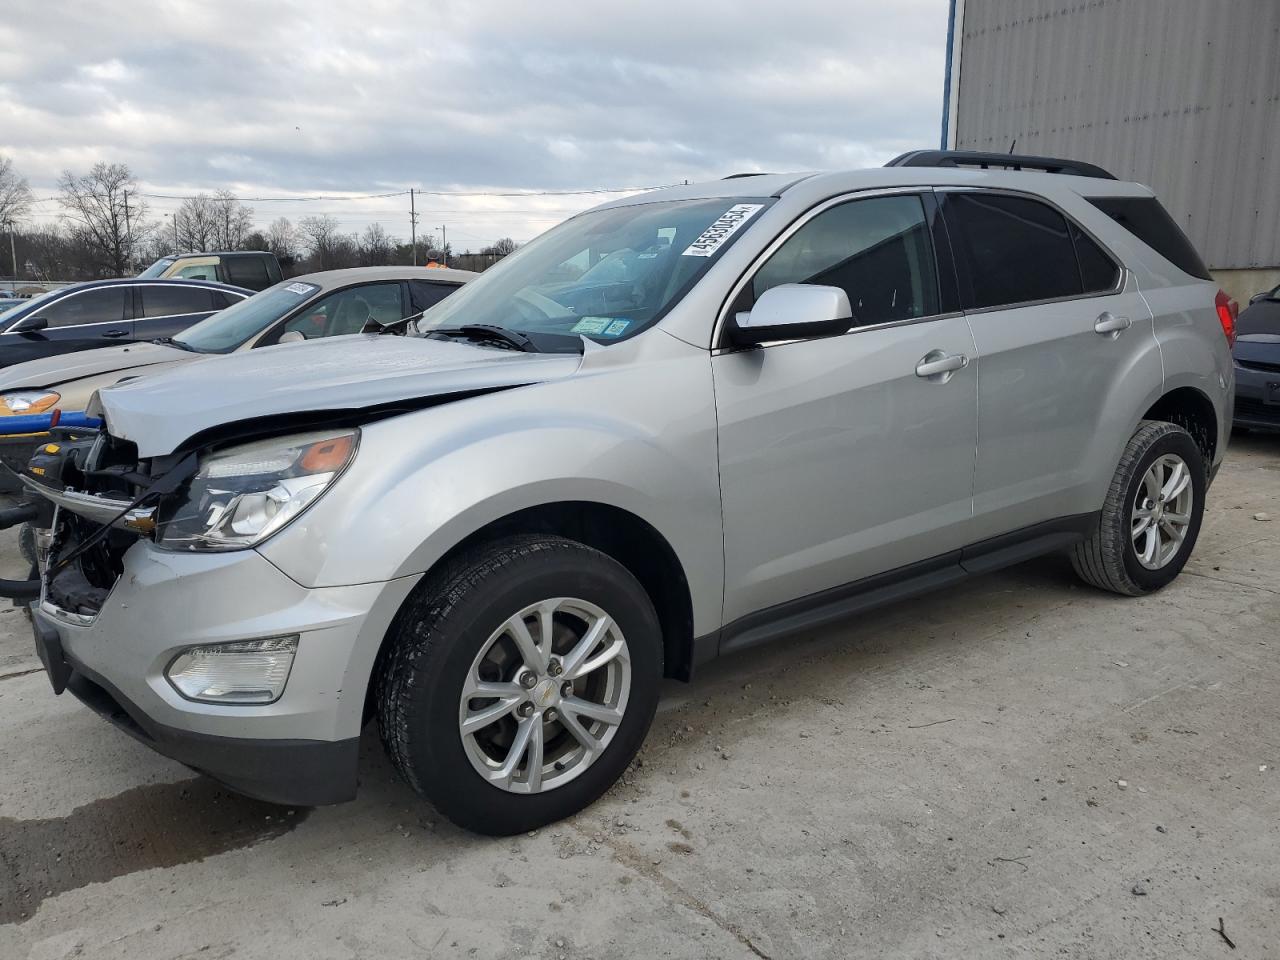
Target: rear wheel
520, 682
1152, 514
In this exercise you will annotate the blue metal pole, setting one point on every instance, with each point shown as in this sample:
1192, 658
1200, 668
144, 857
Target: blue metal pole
946, 83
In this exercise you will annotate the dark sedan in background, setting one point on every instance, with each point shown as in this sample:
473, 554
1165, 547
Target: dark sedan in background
1257, 362
106, 312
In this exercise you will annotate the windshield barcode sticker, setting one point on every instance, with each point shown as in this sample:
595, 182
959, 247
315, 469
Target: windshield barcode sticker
725, 226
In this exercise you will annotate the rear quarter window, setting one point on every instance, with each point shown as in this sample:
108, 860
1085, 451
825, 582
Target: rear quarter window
1146, 219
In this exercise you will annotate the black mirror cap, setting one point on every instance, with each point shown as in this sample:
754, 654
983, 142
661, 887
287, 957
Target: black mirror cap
29, 325
755, 336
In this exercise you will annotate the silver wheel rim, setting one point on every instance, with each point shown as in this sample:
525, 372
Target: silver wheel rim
1161, 513
545, 695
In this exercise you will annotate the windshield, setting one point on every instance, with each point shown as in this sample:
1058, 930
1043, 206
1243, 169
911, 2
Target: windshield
608, 274
228, 329
158, 268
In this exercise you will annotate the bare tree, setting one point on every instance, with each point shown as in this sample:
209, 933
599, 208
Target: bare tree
376, 248
15, 194
197, 221
324, 243
282, 239
501, 248
104, 211
232, 221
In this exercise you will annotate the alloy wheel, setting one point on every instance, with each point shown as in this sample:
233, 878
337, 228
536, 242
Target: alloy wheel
1161, 514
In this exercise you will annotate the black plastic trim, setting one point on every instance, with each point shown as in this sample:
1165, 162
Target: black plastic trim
303, 773
1007, 161
838, 603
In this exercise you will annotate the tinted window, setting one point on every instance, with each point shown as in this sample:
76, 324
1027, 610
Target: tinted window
1147, 220
248, 272
1018, 250
877, 250
423, 294
348, 310
103, 305
167, 301
1098, 271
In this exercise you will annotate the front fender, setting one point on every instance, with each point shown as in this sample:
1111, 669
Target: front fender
423, 482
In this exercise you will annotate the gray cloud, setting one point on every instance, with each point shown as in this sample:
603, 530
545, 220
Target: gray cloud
267, 99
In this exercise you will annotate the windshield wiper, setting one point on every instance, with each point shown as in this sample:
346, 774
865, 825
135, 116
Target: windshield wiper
180, 344
488, 331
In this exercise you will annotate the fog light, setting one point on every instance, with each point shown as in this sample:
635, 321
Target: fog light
248, 671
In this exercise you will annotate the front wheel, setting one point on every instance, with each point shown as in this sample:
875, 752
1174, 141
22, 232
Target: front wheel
520, 682
1152, 514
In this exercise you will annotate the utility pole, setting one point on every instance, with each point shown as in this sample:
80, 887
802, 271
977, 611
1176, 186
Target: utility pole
413, 226
444, 243
13, 255
124, 241
175, 233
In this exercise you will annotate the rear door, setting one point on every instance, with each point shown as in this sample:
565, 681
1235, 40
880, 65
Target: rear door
1058, 324
841, 457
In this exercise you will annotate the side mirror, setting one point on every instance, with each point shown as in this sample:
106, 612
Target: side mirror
291, 336
792, 311
29, 325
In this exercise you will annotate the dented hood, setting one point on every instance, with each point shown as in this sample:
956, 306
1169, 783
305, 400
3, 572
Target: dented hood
343, 373
65, 367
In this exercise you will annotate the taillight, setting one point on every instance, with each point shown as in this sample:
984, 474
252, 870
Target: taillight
1228, 310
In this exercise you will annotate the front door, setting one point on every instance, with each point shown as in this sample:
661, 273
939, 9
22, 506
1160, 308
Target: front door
83, 320
845, 457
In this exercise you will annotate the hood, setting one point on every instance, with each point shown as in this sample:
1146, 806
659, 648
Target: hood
51, 371
340, 374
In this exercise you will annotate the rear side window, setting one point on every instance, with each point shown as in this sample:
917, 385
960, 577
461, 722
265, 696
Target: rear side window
1018, 250
1147, 220
1098, 271
423, 294
169, 301
248, 272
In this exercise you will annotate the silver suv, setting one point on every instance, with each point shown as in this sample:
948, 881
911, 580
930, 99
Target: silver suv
676, 425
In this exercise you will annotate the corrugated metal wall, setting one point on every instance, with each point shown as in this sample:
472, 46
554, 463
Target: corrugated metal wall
1183, 95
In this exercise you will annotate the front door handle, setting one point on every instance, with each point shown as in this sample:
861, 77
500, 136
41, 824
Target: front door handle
938, 366
115, 333
1108, 323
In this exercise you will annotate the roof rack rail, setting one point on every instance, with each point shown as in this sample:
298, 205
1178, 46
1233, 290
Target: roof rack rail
1007, 161
739, 176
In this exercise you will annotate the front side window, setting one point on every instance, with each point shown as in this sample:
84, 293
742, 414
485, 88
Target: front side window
606, 274
878, 250
103, 305
197, 271
1018, 250
347, 311
168, 300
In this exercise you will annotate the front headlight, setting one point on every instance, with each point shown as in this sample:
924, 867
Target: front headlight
242, 495
27, 402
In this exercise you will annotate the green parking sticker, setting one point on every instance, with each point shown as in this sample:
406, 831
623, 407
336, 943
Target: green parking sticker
601, 326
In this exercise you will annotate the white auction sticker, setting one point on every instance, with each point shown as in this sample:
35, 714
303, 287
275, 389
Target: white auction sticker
301, 288
725, 226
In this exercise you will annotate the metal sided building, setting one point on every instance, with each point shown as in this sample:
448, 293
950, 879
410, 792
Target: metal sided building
1182, 95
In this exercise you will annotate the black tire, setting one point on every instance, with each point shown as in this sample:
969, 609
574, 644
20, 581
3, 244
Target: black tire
1108, 559
440, 631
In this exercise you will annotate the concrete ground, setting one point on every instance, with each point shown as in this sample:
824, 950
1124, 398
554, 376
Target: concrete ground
1017, 767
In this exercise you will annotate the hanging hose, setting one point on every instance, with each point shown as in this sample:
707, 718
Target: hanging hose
19, 589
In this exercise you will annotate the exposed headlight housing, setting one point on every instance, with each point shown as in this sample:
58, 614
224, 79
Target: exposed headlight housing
27, 402
244, 672
242, 495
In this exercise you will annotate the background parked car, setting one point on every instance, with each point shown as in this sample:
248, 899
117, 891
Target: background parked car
254, 269
105, 312
325, 304
1257, 362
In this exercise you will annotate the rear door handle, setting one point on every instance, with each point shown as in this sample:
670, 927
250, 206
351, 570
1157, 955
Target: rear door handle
939, 366
115, 333
1109, 323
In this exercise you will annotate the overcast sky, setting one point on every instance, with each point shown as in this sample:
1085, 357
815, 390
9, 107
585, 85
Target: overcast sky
295, 99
